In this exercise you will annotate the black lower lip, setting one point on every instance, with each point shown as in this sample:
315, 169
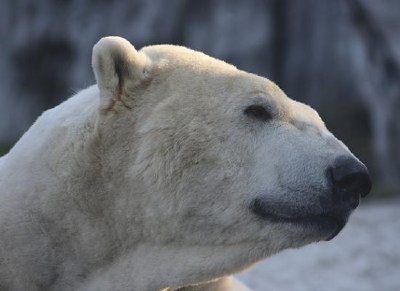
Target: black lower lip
339, 224
328, 224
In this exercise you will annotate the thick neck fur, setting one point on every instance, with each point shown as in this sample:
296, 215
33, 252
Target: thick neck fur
146, 256
93, 222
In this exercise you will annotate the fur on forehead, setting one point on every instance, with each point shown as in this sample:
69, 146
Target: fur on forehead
175, 57
305, 115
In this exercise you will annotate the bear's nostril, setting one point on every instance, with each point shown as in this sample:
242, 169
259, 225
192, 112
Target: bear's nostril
350, 177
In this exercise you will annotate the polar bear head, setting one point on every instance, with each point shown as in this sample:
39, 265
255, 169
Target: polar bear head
209, 155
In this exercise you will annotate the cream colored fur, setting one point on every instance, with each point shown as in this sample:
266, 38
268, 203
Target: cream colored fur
142, 182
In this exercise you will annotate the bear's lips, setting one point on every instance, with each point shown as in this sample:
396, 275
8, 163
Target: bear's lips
321, 222
340, 223
329, 223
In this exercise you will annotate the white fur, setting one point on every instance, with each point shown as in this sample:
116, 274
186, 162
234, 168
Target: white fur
143, 181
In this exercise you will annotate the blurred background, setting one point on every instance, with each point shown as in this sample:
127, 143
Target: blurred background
341, 57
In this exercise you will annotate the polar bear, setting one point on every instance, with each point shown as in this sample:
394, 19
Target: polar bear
173, 172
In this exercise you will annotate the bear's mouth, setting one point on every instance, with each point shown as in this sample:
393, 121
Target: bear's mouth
329, 224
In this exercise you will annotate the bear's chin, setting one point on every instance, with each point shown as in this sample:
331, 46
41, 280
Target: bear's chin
322, 227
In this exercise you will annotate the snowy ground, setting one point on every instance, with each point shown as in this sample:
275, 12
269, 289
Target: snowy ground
365, 256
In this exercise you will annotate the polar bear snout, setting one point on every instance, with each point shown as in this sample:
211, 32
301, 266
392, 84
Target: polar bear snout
326, 210
350, 179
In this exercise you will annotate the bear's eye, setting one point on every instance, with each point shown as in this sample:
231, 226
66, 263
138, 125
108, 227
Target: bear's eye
258, 112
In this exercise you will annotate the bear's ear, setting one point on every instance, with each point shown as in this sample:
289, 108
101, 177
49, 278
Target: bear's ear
119, 69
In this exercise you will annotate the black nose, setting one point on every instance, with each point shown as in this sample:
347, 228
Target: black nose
350, 179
